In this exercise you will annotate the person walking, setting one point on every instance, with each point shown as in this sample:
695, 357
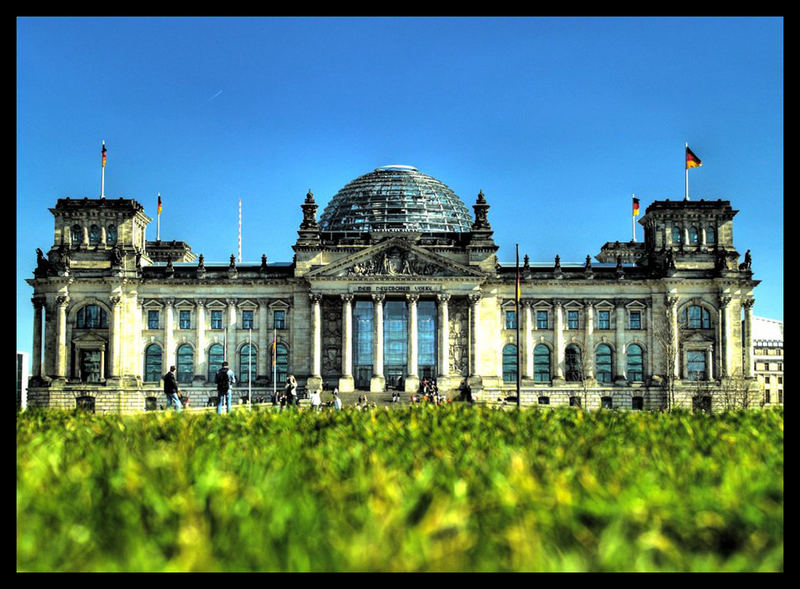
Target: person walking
316, 400
337, 402
291, 390
171, 389
225, 380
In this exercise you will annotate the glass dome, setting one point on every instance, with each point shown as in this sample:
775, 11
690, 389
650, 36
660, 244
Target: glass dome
396, 198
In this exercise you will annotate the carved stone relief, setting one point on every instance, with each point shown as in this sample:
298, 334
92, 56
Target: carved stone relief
331, 336
396, 262
458, 311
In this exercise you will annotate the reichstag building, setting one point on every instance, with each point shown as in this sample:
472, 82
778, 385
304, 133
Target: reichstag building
397, 281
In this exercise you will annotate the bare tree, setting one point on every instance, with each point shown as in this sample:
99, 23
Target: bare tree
669, 342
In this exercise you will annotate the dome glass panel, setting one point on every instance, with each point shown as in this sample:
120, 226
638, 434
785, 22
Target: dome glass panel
396, 198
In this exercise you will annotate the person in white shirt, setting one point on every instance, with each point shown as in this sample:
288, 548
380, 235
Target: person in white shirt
316, 400
337, 402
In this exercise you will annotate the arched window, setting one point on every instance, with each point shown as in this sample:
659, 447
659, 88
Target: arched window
711, 235
603, 363
91, 317
572, 363
153, 368
541, 363
216, 354
94, 235
694, 237
676, 235
696, 317
185, 363
247, 363
510, 363
281, 363
77, 234
635, 368
111, 235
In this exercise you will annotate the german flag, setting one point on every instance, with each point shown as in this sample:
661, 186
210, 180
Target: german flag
635, 207
159, 204
103, 154
692, 161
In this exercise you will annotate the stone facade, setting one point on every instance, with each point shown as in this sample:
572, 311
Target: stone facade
663, 321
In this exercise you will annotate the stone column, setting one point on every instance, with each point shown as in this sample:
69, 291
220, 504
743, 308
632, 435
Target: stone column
169, 334
346, 381
444, 335
263, 343
674, 336
378, 382
747, 337
474, 329
230, 335
316, 335
38, 306
200, 367
114, 337
710, 363
558, 339
588, 359
412, 376
61, 337
528, 369
725, 333
619, 344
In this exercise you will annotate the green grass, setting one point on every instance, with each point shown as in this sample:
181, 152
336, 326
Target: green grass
416, 489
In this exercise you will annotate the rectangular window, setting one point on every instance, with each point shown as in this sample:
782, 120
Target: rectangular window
185, 320
766, 380
574, 401
696, 365
606, 403
637, 403
152, 320
279, 319
247, 320
604, 320
216, 319
544, 400
541, 319
572, 320
636, 320
511, 319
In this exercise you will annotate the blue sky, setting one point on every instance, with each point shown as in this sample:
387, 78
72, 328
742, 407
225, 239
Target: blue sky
558, 120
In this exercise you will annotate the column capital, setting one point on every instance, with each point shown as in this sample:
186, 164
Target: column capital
62, 300
748, 304
443, 297
38, 302
168, 302
527, 303
589, 303
620, 302
115, 300
314, 297
670, 301
558, 303
475, 297
347, 297
231, 302
412, 298
200, 303
724, 300
378, 297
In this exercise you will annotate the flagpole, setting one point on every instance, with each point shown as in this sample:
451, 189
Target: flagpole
240, 230
249, 369
685, 165
158, 219
516, 312
274, 358
103, 172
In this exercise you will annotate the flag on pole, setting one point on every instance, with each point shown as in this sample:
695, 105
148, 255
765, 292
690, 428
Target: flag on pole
692, 161
103, 154
159, 203
635, 207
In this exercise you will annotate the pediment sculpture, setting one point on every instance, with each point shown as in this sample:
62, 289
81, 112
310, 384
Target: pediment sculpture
396, 262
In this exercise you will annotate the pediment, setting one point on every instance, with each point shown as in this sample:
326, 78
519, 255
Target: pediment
394, 258
88, 339
697, 337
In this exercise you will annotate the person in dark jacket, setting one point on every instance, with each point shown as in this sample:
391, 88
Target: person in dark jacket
224, 380
171, 389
